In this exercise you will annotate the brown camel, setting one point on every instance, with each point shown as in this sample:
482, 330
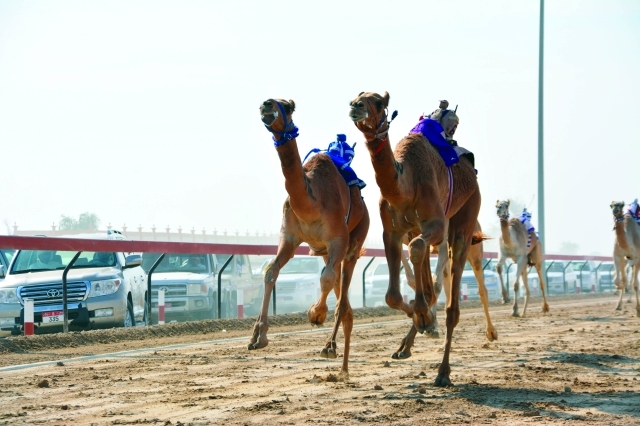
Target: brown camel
626, 246
322, 211
513, 245
415, 191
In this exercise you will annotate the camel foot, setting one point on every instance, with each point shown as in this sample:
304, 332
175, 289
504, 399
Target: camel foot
545, 308
317, 314
515, 313
329, 351
424, 321
403, 352
491, 334
638, 312
261, 343
432, 333
505, 300
443, 381
619, 307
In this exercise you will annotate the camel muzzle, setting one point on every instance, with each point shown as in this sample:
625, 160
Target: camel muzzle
268, 119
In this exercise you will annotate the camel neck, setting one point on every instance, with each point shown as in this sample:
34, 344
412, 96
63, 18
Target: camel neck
386, 168
295, 182
504, 229
621, 234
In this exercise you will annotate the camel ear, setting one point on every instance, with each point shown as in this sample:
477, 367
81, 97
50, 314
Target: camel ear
293, 105
385, 99
360, 94
508, 203
497, 203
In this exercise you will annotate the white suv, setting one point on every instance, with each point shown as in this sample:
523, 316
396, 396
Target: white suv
104, 289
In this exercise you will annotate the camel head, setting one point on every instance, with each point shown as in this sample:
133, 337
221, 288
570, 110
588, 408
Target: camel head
276, 116
502, 209
617, 208
368, 113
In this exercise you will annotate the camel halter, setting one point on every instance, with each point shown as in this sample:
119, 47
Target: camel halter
378, 134
290, 130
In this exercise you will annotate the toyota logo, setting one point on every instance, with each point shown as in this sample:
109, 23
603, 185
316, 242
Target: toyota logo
53, 293
165, 289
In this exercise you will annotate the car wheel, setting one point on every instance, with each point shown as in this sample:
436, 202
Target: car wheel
212, 313
129, 319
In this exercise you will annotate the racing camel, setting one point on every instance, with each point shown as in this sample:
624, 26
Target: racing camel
513, 245
322, 211
418, 194
626, 247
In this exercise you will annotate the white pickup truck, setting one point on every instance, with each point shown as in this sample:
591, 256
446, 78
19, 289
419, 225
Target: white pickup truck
190, 284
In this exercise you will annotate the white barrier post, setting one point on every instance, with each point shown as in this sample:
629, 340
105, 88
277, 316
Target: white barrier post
593, 288
28, 317
465, 292
240, 298
161, 306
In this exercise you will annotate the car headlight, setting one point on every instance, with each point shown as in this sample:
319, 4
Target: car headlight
193, 289
9, 296
104, 287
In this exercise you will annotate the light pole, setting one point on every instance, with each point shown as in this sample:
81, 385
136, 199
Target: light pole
541, 131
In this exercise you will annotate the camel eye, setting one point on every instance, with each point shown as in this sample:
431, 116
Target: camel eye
360, 104
379, 105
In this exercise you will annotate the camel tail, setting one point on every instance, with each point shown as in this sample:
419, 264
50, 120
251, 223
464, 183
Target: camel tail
362, 252
479, 237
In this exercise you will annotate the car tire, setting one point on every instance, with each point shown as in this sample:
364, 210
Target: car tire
212, 313
129, 319
145, 316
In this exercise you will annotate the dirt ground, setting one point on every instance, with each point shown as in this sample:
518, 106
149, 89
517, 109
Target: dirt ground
580, 364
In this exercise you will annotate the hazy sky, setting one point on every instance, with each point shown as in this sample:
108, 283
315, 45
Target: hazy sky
146, 112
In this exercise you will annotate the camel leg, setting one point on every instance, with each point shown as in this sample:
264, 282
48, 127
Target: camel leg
505, 294
459, 257
634, 282
393, 252
621, 278
521, 262
404, 351
336, 249
475, 259
431, 233
442, 278
543, 286
286, 249
527, 294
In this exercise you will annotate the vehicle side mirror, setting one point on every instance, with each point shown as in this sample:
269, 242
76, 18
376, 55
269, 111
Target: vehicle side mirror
2, 273
132, 260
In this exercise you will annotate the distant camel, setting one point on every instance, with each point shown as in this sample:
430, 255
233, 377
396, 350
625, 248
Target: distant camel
626, 246
323, 212
418, 194
513, 245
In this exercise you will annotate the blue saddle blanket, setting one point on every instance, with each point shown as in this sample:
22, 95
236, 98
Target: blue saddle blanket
342, 155
433, 131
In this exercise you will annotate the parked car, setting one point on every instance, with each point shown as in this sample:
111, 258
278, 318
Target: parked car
105, 289
190, 283
298, 284
377, 283
491, 282
586, 275
606, 274
557, 273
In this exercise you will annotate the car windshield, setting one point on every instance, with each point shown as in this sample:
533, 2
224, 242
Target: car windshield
584, 266
51, 260
554, 267
8, 254
176, 262
301, 266
382, 269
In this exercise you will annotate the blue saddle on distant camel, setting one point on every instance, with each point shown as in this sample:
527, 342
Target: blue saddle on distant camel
342, 155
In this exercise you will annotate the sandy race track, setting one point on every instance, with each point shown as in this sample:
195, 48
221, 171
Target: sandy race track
580, 364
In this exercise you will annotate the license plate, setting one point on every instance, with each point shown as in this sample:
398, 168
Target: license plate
55, 316
166, 305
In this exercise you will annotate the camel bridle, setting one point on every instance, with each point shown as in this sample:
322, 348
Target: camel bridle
379, 132
503, 216
290, 130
